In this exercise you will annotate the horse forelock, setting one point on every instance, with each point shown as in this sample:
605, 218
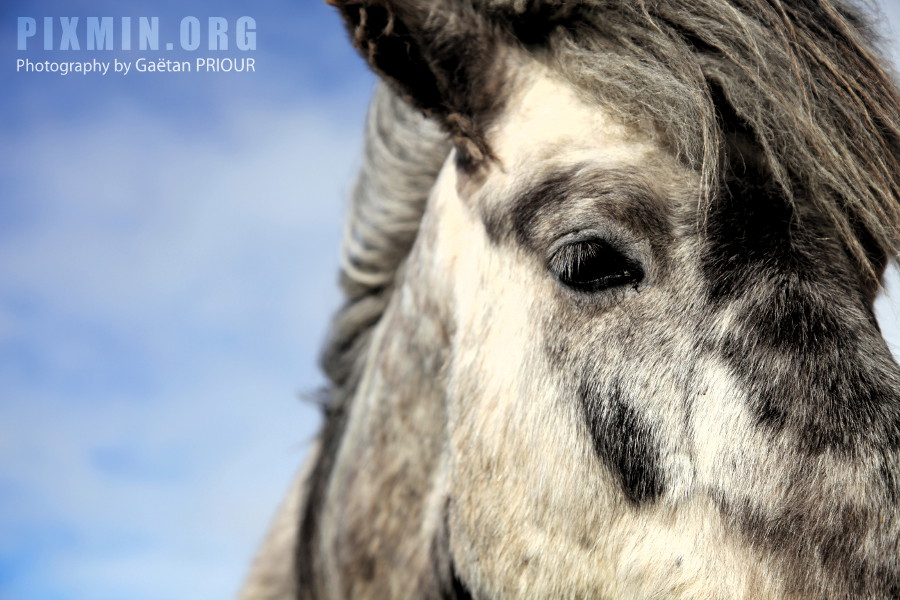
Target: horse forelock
800, 81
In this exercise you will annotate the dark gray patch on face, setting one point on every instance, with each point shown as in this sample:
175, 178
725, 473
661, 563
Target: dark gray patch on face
804, 343
831, 541
623, 441
808, 375
749, 230
754, 232
789, 321
576, 197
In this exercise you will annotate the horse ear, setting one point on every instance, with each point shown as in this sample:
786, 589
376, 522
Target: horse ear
442, 57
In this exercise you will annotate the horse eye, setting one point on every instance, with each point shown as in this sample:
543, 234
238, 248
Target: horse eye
593, 266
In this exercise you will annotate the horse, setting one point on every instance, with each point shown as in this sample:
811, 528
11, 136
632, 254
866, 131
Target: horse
609, 270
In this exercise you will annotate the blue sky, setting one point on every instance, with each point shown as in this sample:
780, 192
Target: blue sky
168, 255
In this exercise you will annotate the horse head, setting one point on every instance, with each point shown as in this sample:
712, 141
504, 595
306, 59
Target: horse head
609, 271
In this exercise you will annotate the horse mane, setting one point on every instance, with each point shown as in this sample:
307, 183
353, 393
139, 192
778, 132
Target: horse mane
403, 153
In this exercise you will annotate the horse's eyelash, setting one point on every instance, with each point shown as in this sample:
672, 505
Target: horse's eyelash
566, 261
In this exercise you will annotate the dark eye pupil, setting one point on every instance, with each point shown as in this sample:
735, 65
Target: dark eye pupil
594, 265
